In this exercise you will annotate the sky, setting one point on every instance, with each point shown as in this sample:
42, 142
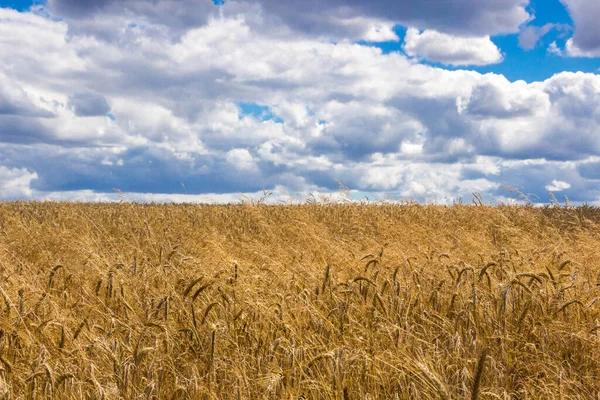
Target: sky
214, 101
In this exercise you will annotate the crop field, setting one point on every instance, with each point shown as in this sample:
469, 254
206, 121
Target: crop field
315, 301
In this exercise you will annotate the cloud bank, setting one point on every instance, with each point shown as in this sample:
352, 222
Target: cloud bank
243, 97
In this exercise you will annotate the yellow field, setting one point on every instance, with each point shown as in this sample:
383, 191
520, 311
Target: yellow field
286, 302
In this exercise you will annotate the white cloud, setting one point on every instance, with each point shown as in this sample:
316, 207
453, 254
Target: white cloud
48, 46
557, 186
380, 123
440, 182
241, 159
381, 32
16, 183
449, 49
411, 148
554, 49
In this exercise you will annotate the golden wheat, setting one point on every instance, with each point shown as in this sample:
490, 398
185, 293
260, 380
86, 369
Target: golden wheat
316, 301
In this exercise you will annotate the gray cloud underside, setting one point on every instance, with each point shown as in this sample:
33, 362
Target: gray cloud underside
585, 15
89, 104
331, 18
379, 123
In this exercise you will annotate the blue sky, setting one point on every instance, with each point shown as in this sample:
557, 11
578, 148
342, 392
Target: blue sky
519, 64
393, 99
527, 64
21, 5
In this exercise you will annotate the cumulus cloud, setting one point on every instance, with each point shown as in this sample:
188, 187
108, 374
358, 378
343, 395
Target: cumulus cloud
557, 186
451, 50
15, 183
496, 97
586, 39
241, 159
380, 123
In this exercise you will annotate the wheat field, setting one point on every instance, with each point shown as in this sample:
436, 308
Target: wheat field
314, 301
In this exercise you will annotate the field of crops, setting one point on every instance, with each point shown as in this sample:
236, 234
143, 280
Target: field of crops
318, 301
